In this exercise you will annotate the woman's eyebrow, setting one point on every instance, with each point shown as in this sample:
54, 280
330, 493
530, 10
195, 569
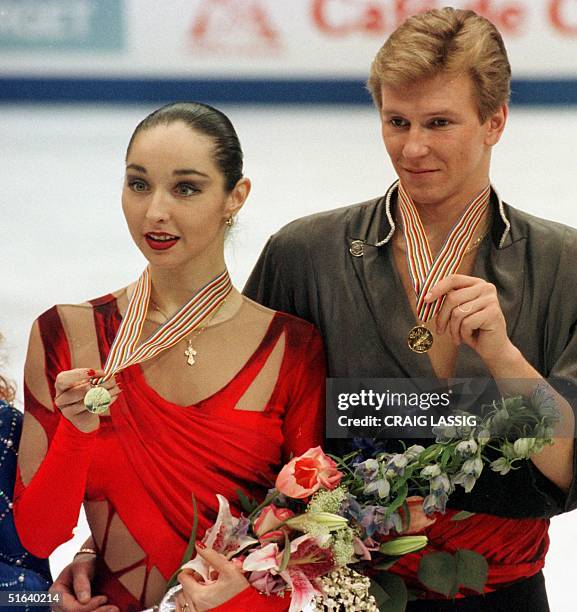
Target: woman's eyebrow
190, 171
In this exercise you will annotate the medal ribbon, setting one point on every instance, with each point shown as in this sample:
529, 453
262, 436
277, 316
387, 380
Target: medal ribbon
199, 308
424, 271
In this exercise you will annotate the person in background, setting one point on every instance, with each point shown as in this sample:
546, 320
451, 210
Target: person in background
20, 572
173, 387
439, 278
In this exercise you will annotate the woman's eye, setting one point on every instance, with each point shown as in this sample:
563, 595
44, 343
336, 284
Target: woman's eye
186, 189
137, 185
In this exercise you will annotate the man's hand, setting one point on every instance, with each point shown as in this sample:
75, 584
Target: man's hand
471, 313
73, 586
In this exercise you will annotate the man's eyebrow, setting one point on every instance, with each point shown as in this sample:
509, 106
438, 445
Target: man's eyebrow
434, 113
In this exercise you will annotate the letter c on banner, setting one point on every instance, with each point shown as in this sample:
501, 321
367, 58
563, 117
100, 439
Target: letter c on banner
557, 14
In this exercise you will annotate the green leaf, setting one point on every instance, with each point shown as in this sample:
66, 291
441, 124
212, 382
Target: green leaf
472, 569
438, 572
286, 555
190, 547
399, 500
394, 589
461, 516
445, 458
246, 503
377, 591
386, 563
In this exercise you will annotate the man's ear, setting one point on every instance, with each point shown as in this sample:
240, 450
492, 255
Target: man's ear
496, 124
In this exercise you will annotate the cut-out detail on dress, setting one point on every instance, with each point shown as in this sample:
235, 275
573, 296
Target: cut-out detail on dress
125, 552
258, 394
97, 516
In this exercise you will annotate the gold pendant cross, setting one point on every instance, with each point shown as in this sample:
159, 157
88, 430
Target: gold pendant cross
190, 353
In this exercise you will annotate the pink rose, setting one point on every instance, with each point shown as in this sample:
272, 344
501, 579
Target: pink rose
304, 475
267, 522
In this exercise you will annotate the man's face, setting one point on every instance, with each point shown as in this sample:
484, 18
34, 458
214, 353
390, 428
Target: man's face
436, 142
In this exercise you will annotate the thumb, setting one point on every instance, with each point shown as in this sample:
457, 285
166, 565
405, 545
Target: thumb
81, 581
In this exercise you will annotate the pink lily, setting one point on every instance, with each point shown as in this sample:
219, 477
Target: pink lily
262, 559
227, 536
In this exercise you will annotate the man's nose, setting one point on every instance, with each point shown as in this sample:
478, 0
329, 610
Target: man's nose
416, 143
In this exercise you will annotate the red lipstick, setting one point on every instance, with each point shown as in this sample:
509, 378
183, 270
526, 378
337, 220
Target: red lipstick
160, 241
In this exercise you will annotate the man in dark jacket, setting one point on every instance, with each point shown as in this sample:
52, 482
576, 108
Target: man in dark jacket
440, 278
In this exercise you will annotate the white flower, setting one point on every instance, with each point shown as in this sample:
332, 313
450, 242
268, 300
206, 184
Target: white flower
523, 447
430, 471
441, 484
483, 437
413, 452
501, 465
474, 467
397, 463
382, 486
466, 448
467, 481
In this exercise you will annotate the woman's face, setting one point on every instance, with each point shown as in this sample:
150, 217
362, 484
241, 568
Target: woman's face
174, 198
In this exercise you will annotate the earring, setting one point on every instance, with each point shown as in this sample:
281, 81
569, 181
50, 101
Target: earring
230, 221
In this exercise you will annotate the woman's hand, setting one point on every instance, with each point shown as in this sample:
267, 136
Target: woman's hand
73, 587
199, 596
71, 386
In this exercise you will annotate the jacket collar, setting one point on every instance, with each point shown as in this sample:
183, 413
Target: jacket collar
381, 227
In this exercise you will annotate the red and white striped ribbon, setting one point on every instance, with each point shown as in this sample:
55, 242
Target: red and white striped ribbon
424, 271
199, 308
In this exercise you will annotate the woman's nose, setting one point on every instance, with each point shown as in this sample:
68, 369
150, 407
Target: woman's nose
158, 208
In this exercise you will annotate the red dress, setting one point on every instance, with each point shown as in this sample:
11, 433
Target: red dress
150, 456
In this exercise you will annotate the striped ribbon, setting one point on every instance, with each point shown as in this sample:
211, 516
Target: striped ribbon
426, 272
199, 308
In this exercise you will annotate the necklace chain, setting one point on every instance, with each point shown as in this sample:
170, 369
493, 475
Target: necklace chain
476, 242
190, 351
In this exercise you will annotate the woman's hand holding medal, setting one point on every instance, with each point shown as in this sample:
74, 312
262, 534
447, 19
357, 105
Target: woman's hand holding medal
471, 313
71, 388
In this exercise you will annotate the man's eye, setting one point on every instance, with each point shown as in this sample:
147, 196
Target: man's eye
186, 189
137, 185
440, 122
398, 122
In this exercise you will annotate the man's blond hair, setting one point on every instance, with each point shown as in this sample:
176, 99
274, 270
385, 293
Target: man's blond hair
449, 41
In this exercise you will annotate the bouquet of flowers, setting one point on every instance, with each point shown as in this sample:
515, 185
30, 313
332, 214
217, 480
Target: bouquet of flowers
328, 515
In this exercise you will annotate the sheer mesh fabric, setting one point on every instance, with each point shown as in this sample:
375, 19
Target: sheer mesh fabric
166, 430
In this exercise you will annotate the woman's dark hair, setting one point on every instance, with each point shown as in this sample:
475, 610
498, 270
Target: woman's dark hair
206, 120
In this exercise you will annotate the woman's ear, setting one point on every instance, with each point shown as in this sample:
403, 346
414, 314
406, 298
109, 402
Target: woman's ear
237, 197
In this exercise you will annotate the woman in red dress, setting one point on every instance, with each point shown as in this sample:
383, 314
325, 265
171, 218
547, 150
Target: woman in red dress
216, 411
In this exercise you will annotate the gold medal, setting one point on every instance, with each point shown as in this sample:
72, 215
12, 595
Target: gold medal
420, 339
426, 271
97, 400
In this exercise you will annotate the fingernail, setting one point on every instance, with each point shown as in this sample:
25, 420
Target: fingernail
200, 545
91, 372
84, 596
